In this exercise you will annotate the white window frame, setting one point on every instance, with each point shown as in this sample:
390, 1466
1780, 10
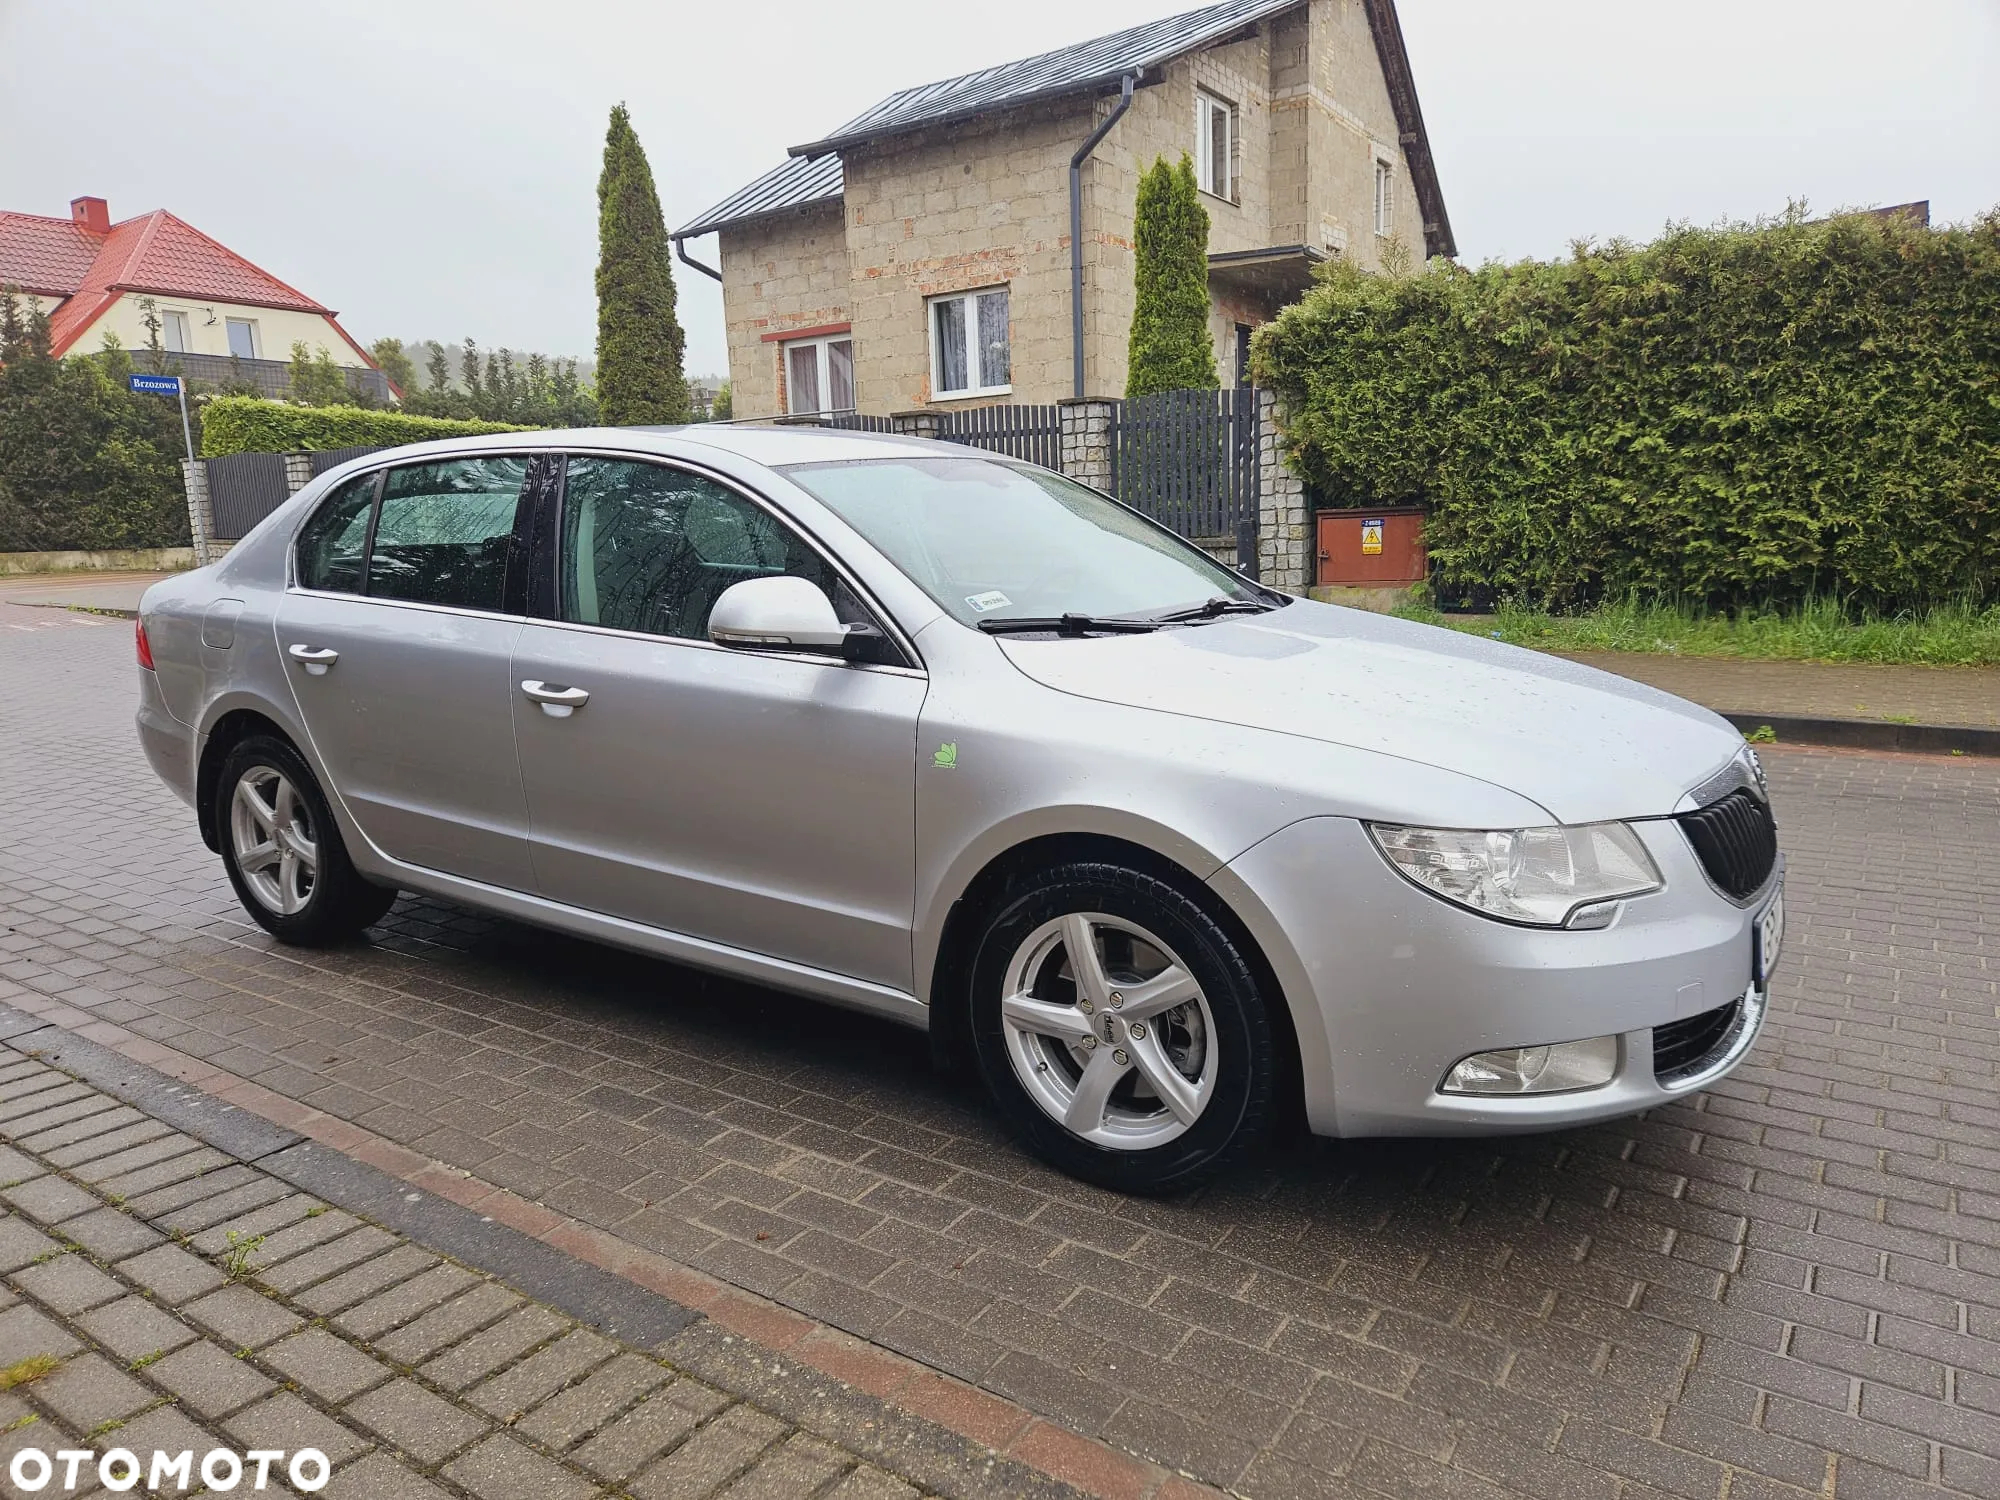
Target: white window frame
171, 319
1206, 107
256, 343
974, 364
818, 344
1385, 196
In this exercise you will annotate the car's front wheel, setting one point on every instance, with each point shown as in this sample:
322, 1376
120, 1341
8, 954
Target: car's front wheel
1120, 1029
283, 850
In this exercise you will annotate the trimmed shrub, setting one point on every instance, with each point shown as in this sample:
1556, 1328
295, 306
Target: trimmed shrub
1756, 414
243, 424
84, 463
1170, 348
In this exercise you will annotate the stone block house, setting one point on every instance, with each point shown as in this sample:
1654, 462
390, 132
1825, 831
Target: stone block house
970, 241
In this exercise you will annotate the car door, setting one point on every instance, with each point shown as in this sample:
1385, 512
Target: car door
398, 636
753, 799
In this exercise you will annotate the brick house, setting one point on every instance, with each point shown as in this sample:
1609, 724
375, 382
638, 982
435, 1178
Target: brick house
221, 317
923, 253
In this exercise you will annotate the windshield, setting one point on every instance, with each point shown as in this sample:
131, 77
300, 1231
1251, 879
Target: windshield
990, 541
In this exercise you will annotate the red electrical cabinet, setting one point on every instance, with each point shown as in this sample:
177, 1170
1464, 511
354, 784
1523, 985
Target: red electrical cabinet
1372, 548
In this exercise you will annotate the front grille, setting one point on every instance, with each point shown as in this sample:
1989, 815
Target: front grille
1683, 1048
1736, 841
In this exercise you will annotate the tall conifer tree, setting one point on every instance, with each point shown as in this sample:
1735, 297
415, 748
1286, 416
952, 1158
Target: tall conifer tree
1170, 349
639, 339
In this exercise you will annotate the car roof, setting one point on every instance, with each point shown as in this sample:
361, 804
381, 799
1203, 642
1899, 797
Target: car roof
771, 447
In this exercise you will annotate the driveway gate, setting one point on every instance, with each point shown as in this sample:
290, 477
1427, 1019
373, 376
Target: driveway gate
1188, 459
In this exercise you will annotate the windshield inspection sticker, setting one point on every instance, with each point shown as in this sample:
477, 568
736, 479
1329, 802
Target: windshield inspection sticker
984, 602
946, 755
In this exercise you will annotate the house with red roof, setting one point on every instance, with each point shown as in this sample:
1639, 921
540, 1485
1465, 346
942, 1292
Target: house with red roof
221, 317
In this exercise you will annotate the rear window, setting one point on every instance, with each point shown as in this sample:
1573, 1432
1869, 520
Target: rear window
445, 531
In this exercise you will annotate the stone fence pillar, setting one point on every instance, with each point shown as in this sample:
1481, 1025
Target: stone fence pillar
201, 511
298, 472
1284, 528
919, 423
1085, 452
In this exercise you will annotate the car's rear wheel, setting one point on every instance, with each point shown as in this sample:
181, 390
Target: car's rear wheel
283, 850
1120, 1029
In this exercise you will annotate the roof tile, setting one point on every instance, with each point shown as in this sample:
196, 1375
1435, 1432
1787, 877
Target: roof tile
44, 255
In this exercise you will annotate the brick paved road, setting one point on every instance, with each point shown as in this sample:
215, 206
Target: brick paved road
1789, 1286
164, 1297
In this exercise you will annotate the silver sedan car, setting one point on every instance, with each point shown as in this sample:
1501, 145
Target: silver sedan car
938, 735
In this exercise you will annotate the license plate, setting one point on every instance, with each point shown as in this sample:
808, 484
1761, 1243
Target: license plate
1770, 938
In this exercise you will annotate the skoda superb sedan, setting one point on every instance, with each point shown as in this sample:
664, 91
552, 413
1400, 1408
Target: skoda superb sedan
945, 737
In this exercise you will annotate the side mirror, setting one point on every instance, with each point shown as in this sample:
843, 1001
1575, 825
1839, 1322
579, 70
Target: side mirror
777, 614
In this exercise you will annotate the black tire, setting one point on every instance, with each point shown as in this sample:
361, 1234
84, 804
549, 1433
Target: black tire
1237, 1115
338, 903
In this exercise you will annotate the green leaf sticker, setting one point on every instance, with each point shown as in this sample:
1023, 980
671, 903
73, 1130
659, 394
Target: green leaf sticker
946, 756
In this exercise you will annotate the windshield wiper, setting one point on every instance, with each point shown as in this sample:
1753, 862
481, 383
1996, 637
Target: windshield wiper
1068, 625
1217, 606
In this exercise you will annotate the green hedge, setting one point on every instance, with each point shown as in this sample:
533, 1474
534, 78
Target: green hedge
244, 424
1758, 414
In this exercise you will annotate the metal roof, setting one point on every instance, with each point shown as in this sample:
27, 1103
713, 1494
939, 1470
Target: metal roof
795, 183
813, 172
1068, 70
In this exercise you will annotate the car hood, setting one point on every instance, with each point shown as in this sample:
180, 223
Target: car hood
1584, 744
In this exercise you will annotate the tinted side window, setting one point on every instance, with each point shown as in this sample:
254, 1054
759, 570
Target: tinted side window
334, 541
651, 549
445, 532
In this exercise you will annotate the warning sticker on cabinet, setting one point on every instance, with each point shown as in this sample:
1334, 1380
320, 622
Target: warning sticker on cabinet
1371, 536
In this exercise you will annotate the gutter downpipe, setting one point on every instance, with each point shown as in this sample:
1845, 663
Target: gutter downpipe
1076, 162
680, 249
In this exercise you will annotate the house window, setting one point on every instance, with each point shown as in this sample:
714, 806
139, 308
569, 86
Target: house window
969, 344
174, 332
1215, 145
242, 337
1385, 197
819, 375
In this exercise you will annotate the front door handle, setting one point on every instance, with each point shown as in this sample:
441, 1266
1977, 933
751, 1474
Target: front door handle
315, 659
557, 702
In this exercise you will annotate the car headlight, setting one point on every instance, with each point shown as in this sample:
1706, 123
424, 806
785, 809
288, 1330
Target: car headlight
1540, 876
1756, 769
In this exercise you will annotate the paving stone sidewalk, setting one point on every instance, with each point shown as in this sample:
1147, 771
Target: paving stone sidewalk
1967, 697
158, 1293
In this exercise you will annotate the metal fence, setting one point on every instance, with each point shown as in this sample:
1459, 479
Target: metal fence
1033, 433
243, 489
246, 487
332, 458
1188, 459
854, 421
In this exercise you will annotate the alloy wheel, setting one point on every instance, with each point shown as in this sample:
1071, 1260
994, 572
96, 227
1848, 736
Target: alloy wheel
1108, 1031
271, 836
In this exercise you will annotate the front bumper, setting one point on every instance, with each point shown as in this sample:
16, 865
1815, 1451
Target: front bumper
1389, 986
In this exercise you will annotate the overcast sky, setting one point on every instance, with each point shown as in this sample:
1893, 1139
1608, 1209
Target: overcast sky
428, 167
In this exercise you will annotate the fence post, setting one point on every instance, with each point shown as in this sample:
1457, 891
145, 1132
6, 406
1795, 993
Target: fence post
201, 511
919, 423
1085, 445
298, 472
1284, 530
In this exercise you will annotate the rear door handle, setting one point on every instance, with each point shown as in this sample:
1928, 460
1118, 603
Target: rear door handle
315, 659
557, 702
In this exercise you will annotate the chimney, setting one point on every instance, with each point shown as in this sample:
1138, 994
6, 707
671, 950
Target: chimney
92, 215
